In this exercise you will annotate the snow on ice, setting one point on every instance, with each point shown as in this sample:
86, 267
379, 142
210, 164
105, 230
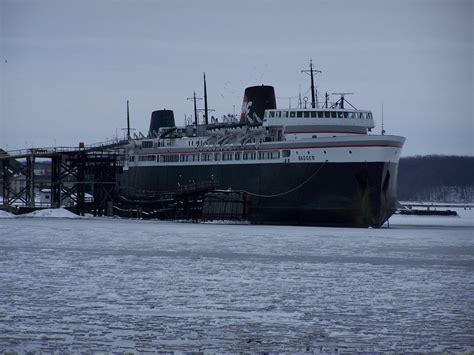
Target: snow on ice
50, 213
100, 284
5, 214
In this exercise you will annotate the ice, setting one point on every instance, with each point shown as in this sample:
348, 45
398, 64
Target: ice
5, 214
50, 213
464, 218
117, 285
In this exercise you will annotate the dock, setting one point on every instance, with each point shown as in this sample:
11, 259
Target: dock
85, 179
74, 171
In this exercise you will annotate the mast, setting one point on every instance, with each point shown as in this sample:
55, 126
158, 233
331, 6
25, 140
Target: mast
194, 98
383, 130
128, 122
195, 110
311, 72
313, 100
206, 111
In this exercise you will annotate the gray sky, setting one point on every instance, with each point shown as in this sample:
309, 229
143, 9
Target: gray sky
69, 66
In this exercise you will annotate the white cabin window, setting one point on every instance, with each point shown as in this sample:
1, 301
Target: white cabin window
147, 158
169, 158
327, 114
284, 114
299, 114
292, 114
306, 114
272, 114
313, 114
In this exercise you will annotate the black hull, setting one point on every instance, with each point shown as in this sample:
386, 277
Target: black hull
323, 194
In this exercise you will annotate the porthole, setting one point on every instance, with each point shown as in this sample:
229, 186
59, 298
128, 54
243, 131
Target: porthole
350, 151
324, 152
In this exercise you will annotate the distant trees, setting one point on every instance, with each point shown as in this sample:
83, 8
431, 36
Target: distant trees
436, 178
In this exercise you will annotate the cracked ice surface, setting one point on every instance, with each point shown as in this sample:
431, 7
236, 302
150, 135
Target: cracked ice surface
124, 285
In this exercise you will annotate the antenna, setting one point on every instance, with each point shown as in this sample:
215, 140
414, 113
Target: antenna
128, 129
206, 111
326, 98
128, 122
300, 104
311, 72
194, 98
341, 100
383, 130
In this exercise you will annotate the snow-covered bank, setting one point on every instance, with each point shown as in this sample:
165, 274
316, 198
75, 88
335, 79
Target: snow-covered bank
50, 213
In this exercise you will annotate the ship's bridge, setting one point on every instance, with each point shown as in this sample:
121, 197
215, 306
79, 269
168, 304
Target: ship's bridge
297, 123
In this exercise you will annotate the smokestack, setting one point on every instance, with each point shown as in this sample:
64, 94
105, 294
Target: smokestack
257, 99
161, 118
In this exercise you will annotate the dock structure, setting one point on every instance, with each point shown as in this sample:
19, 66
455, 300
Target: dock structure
85, 179
194, 202
75, 172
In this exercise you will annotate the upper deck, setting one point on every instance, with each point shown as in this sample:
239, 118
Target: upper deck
293, 116
300, 123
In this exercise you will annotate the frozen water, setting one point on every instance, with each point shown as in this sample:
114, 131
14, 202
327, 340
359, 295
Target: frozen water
5, 214
44, 213
126, 285
50, 213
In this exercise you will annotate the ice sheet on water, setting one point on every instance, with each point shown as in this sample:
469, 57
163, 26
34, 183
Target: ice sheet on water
126, 285
465, 218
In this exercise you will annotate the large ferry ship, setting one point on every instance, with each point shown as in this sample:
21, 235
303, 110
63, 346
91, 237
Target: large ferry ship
317, 164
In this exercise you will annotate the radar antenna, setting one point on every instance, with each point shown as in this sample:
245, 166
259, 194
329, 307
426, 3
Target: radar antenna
311, 72
341, 101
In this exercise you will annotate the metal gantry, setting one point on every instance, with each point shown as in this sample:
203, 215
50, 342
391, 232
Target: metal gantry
75, 172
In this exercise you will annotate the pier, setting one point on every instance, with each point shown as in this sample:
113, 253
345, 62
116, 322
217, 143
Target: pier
85, 179
82, 178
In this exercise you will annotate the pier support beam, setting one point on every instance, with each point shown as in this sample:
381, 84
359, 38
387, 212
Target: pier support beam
30, 181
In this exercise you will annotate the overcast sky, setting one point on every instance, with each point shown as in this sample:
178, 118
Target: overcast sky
68, 66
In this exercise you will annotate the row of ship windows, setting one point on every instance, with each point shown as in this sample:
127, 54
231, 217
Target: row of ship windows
227, 156
319, 114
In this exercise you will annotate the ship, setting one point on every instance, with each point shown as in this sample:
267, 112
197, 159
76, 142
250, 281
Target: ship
316, 164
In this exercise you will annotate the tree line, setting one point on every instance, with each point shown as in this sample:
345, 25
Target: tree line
436, 178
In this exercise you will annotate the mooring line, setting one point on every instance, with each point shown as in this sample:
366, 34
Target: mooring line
289, 191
